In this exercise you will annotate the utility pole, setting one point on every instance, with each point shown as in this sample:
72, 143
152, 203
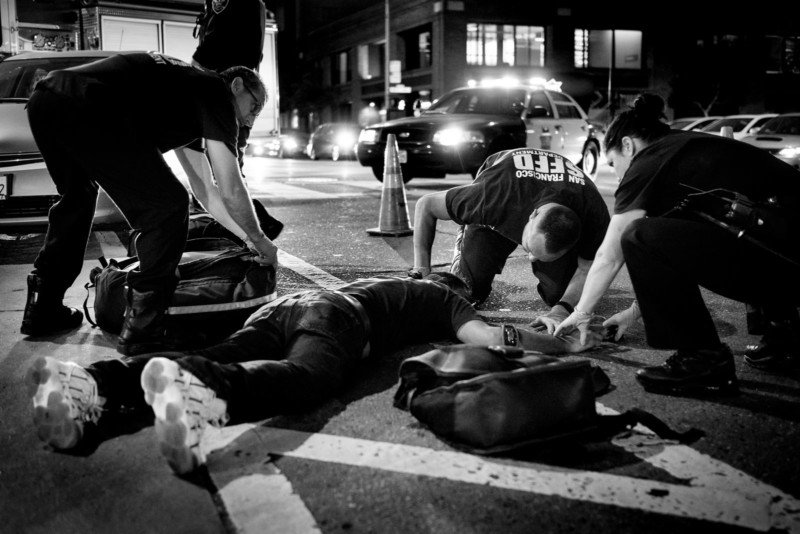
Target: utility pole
386, 61
611, 61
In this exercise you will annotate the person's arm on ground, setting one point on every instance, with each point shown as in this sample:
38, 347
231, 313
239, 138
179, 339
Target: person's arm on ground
429, 209
237, 201
198, 171
607, 263
477, 332
571, 296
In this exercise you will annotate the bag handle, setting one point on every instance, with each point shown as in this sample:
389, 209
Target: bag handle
610, 425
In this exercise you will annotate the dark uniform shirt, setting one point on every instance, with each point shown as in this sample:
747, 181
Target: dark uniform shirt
653, 182
233, 34
167, 100
511, 184
403, 311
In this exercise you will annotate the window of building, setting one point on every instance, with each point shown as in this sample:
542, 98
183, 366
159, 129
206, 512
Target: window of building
593, 49
370, 60
783, 54
340, 68
417, 43
494, 44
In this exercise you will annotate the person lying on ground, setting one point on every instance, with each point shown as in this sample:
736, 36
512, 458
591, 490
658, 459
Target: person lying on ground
291, 354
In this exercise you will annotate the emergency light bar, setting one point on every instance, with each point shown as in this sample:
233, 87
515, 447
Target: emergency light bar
551, 84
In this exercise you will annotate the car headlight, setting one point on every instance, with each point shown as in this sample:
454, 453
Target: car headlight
368, 135
456, 136
345, 139
790, 152
290, 143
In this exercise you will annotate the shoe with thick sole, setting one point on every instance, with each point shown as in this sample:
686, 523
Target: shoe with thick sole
183, 408
692, 373
65, 398
44, 313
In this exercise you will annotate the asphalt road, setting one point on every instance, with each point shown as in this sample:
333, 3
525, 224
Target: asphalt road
357, 464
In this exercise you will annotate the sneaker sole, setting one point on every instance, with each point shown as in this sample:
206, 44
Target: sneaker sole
51, 415
173, 434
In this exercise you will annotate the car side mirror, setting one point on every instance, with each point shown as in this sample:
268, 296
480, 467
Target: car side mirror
537, 113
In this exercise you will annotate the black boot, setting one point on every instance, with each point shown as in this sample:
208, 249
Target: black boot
45, 314
144, 329
779, 348
692, 371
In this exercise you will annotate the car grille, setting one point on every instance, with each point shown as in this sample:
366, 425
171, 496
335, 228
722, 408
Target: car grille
408, 135
35, 206
20, 158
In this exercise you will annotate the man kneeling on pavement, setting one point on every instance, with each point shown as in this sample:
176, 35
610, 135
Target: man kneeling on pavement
291, 354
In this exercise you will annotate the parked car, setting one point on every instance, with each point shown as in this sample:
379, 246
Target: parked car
780, 136
742, 125
466, 125
288, 144
26, 190
335, 140
692, 123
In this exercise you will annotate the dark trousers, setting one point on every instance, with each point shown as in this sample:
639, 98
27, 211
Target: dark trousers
84, 145
292, 354
670, 259
481, 253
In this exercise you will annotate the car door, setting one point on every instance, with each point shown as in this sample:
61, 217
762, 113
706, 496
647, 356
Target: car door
540, 123
571, 126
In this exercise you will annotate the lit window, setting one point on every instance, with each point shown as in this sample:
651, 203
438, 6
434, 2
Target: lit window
491, 45
593, 49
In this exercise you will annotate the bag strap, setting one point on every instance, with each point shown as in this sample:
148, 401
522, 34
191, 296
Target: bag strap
609, 425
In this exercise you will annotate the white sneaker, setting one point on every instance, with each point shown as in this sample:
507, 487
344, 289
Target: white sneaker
183, 407
64, 399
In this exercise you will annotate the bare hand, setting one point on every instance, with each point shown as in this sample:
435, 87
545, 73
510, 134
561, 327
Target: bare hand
266, 250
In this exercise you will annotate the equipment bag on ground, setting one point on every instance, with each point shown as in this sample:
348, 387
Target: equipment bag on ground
489, 400
220, 286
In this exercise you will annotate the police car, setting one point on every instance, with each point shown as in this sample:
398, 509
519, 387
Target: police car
460, 129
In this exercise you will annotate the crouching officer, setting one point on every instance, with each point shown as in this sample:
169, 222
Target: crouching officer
107, 124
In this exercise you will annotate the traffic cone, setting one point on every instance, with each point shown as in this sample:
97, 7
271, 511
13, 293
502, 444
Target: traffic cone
393, 218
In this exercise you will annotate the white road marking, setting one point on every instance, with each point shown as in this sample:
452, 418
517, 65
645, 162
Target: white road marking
719, 505
111, 245
315, 274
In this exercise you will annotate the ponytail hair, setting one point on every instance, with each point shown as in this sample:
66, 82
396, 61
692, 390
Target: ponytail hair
642, 120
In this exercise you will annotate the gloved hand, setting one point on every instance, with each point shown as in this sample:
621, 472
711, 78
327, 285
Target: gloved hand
593, 338
551, 319
623, 320
576, 320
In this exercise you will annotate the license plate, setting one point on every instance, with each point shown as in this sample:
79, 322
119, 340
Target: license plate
5, 186
402, 155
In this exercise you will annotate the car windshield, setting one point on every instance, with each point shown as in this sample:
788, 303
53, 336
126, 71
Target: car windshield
736, 123
474, 101
782, 125
19, 77
678, 124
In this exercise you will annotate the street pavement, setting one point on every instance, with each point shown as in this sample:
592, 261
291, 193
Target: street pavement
356, 463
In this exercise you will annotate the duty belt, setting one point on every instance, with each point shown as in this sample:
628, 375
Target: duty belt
362, 314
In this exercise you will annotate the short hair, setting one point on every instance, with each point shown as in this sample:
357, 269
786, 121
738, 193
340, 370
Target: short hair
453, 282
250, 79
561, 228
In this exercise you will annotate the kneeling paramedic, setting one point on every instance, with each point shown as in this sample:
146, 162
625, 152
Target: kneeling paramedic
291, 354
107, 124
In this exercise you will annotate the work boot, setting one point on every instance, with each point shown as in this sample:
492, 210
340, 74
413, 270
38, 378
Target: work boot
779, 348
144, 329
45, 314
183, 407
692, 371
65, 398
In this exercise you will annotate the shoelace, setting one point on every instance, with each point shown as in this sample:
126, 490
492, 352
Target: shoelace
83, 400
203, 405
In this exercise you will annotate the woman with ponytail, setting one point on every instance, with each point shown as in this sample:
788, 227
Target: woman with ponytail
670, 253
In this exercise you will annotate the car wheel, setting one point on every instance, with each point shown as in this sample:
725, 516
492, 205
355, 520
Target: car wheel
590, 160
335, 153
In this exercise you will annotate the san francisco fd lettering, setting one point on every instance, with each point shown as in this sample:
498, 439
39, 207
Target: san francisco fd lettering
546, 167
